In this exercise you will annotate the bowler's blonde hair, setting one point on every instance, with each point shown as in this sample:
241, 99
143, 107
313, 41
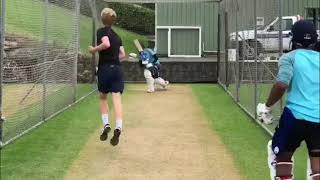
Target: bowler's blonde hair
108, 16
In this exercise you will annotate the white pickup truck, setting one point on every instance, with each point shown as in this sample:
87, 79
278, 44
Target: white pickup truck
267, 36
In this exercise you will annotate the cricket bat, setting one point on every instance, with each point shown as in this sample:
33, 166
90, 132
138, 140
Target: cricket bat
138, 45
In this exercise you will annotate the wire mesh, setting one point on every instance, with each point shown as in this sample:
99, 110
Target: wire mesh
40, 62
252, 47
45, 63
161, 1
271, 43
2, 15
23, 66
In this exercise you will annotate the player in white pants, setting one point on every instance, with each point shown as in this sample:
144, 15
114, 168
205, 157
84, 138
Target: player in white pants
150, 61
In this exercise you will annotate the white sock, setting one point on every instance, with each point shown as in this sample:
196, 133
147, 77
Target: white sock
105, 119
119, 124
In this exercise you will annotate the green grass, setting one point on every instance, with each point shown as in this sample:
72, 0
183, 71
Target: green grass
47, 152
84, 89
25, 18
32, 113
246, 93
243, 137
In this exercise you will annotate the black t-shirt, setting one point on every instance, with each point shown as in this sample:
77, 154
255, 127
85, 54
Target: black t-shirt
110, 55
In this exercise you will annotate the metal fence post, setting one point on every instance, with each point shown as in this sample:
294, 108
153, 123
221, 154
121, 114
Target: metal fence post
77, 46
280, 40
2, 34
226, 48
237, 70
255, 59
45, 51
219, 47
280, 29
93, 60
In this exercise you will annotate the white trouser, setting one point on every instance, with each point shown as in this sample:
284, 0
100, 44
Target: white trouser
151, 81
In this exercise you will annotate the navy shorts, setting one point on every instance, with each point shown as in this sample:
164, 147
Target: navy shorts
291, 132
110, 79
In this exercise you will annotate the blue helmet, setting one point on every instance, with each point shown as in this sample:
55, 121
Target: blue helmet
304, 34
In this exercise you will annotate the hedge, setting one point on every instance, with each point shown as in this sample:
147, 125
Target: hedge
132, 17
135, 18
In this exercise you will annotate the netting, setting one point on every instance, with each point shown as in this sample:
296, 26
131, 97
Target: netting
248, 62
39, 75
42, 65
45, 65
161, 1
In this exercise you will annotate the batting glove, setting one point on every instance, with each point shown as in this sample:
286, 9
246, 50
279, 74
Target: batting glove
264, 113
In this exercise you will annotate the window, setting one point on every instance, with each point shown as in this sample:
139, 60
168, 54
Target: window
286, 25
313, 14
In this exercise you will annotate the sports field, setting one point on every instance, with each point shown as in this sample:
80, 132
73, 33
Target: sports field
24, 95
189, 132
26, 24
23, 104
246, 99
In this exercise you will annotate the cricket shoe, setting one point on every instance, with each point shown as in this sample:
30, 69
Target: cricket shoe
105, 131
166, 84
115, 139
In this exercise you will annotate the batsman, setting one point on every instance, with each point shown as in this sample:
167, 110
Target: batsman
152, 67
299, 76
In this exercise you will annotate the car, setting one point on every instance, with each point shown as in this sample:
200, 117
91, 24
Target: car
267, 38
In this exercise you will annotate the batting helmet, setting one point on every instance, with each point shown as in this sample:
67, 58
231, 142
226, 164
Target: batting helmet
304, 34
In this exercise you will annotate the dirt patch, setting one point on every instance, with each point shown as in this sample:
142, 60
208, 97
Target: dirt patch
166, 137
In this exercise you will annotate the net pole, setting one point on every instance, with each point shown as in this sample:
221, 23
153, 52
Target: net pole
77, 46
255, 59
280, 40
93, 43
237, 55
2, 34
44, 51
280, 29
226, 48
219, 45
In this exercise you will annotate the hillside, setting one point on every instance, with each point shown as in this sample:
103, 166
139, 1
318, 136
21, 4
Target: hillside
26, 18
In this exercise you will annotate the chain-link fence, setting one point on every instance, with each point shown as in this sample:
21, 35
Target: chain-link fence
45, 65
43, 69
250, 49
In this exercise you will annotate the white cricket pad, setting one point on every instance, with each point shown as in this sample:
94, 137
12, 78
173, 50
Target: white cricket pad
272, 161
